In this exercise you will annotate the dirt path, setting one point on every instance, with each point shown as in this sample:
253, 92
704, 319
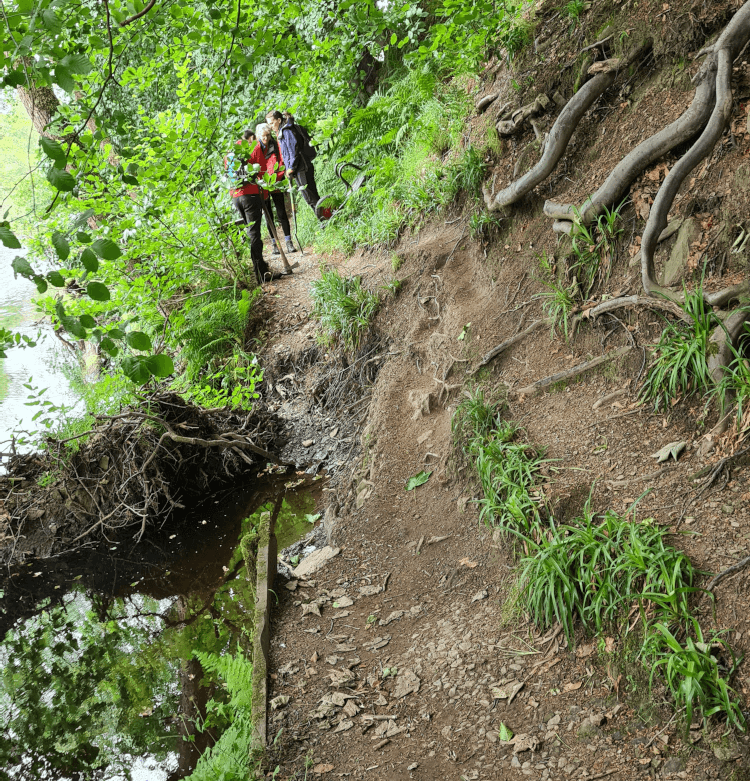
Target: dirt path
394, 679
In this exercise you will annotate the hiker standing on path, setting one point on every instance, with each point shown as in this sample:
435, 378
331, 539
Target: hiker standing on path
297, 155
275, 166
247, 199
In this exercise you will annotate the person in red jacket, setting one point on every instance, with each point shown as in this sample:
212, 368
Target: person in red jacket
246, 198
275, 166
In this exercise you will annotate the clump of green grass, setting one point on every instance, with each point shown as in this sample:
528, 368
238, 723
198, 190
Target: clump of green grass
507, 469
594, 248
696, 673
595, 570
475, 418
468, 172
396, 262
679, 365
558, 304
480, 224
343, 308
735, 381
573, 9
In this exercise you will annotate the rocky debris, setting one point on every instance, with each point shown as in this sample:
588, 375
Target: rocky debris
315, 561
407, 682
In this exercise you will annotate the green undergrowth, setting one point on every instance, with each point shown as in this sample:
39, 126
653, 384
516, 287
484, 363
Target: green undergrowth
680, 360
343, 308
409, 138
604, 573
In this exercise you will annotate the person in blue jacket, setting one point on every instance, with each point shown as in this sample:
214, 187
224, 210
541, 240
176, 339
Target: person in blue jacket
297, 166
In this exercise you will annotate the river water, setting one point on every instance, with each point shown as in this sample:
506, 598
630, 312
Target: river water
40, 366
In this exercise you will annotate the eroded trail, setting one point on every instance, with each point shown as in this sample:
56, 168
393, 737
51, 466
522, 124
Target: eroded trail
406, 653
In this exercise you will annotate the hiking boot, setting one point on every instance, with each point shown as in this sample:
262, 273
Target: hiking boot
275, 250
289, 246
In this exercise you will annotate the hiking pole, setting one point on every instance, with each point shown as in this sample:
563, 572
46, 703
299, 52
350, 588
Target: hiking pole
294, 214
275, 235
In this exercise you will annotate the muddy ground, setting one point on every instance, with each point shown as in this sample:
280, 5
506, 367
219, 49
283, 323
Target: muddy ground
390, 652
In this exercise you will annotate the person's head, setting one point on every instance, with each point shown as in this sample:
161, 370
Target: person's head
248, 135
263, 131
275, 119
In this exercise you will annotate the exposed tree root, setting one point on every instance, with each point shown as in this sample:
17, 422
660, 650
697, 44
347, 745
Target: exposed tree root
628, 301
728, 572
503, 346
560, 134
724, 337
574, 371
645, 154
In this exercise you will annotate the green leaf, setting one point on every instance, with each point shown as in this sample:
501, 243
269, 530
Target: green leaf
116, 333
417, 480
504, 733
87, 321
130, 180
60, 243
138, 340
51, 22
56, 279
89, 261
21, 266
41, 284
84, 238
160, 365
9, 239
98, 291
73, 326
61, 180
64, 78
77, 63
106, 249
53, 150
136, 369
109, 347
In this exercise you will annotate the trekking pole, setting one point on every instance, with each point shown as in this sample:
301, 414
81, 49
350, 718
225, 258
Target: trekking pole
294, 214
275, 235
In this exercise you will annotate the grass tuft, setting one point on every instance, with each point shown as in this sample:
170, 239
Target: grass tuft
596, 570
680, 366
343, 308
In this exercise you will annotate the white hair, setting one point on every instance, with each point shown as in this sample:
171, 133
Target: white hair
262, 128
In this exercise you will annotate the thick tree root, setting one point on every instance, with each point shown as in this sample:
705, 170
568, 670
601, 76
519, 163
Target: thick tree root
721, 55
725, 337
574, 371
645, 154
627, 301
560, 135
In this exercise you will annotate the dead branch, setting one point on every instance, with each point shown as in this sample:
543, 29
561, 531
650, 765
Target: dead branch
503, 346
574, 371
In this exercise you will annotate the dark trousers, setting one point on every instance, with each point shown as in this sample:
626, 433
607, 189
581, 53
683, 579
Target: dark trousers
250, 208
278, 202
306, 179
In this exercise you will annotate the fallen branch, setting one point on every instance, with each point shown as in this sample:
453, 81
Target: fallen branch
539, 385
495, 351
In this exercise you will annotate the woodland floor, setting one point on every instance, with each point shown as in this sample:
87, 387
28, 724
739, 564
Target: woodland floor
444, 618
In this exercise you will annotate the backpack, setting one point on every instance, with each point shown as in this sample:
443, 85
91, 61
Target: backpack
307, 150
236, 170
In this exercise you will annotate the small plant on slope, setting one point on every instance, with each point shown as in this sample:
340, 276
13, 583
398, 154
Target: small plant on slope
343, 308
679, 366
695, 673
595, 571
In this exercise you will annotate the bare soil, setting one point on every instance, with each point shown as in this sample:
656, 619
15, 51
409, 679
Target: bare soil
398, 683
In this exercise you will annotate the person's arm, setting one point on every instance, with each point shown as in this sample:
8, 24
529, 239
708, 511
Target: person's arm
289, 143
